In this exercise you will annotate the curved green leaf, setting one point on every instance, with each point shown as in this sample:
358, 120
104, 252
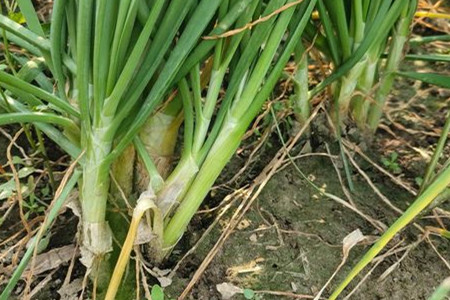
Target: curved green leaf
27, 35
31, 117
429, 57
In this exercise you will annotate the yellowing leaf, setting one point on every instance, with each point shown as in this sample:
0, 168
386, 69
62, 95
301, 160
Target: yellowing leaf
17, 17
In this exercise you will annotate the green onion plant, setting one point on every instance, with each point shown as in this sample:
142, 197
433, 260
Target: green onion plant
112, 64
353, 36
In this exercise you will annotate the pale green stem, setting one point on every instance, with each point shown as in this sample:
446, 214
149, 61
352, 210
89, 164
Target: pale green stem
201, 129
347, 87
177, 184
361, 103
222, 150
95, 178
96, 234
399, 39
300, 98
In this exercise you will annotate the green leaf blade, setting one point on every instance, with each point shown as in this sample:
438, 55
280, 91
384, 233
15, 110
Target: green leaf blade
432, 78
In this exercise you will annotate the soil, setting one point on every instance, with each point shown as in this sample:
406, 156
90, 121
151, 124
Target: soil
305, 254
